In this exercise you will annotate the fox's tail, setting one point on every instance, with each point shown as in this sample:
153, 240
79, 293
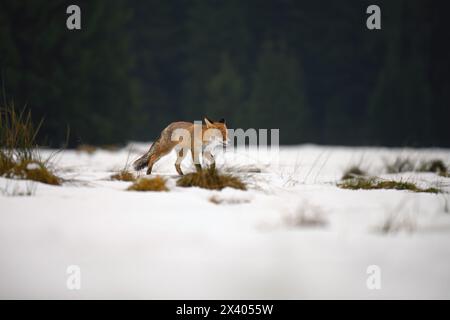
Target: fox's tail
142, 162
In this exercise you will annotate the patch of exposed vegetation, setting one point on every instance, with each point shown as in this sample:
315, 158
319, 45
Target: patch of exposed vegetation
123, 175
306, 215
19, 153
373, 183
400, 165
30, 170
243, 169
211, 178
216, 199
87, 148
395, 224
17, 191
149, 184
110, 147
353, 172
436, 166
90, 149
398, 219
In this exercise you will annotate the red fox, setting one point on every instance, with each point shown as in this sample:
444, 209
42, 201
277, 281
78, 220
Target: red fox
185, 136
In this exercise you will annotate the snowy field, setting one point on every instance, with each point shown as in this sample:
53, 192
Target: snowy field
293, 235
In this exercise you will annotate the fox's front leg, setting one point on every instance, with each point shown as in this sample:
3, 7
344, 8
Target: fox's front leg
158, 151
208, 156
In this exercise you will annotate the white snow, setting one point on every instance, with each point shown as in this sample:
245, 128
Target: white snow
293, 235
33, 166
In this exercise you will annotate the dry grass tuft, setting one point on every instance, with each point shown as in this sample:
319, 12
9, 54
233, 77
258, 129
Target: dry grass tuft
436, 166
17, 134
19, 153
87, 148
90, 149
210, 178
110, 147
353, 172
400, 165
36, 171
373, 183
149, 184
395, 224
29, 170
306, 215
216, 199
123, 175
17, 191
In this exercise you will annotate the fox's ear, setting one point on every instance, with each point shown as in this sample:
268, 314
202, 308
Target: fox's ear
222, 120
208, 121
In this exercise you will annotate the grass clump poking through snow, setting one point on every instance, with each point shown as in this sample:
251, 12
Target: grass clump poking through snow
123, 175
436, 166
149, 184
217, 199
445, 174
19, 153
395, 224
400, 165
32, 170
87, 148
305, 215
376, 184
353, 172
210, 178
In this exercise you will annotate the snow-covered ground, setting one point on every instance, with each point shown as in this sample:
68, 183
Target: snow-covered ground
292, 235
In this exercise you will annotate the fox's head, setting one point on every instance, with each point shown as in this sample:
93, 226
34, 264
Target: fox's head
219, 130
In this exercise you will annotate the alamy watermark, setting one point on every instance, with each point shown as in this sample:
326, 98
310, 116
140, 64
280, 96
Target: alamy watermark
373, 281
73, 281
373, 22
73, 22
261, 145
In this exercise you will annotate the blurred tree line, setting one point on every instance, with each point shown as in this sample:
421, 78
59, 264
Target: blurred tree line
310, 68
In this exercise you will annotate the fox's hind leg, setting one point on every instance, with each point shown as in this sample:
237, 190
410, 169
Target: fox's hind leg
180, 156
157, 153
151, 161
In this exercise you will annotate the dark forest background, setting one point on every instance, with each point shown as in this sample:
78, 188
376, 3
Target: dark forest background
310, 68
